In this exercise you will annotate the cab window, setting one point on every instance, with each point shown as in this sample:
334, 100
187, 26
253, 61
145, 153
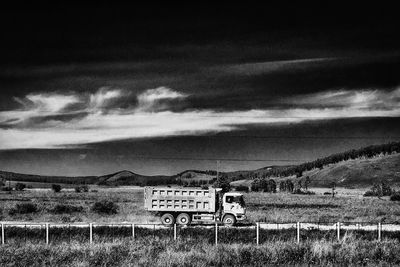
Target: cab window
229, 199
236, 199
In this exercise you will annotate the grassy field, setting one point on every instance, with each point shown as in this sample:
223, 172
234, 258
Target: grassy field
348, 205
195, 252
195, 246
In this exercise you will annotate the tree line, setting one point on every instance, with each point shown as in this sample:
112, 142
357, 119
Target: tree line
365, 152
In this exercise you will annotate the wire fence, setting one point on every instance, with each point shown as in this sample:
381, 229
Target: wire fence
257, 233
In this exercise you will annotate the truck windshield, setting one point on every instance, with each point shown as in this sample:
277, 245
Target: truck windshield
240, 200
237, 199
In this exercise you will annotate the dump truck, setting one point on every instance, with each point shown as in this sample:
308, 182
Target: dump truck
186, 205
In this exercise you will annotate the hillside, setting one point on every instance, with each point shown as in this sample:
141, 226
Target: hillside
130, 178
361, 167
196, 175
47, 179
114, 179
360, 172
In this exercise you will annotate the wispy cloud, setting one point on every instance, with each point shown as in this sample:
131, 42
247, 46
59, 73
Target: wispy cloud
355, 99
37, 105
146, 119
258, 68
156, 99
102, 97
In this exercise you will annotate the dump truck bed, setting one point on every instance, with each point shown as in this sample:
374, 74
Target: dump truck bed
179, 199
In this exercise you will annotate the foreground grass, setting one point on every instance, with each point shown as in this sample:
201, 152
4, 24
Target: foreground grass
164, 252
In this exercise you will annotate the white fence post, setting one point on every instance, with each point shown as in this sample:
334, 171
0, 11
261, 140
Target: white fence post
298, 232
174, 231
133, 230
90, 233
216, 233
2, 234
47, 233
379, 231
338, 231
258, 233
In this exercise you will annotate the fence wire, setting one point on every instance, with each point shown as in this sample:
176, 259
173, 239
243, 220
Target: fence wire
258, 233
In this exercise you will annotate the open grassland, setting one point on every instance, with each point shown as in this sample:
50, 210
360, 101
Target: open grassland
195, 252
349, 205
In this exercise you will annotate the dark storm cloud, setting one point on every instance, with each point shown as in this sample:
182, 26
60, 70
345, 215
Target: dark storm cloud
217, 86
115, 76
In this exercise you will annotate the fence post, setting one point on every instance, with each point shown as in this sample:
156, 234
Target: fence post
47, 233
2, 234
338, 231
90, 233
174, 231
298, 232
133, 230
379, 231
258, 233
216, 233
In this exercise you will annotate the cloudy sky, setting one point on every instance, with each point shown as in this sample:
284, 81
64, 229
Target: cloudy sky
89, 90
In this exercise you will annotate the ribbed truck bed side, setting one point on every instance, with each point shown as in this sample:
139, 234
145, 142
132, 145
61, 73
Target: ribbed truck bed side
179, 199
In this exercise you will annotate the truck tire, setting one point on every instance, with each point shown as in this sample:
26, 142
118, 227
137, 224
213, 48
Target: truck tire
183, 219
229, 220
167, 219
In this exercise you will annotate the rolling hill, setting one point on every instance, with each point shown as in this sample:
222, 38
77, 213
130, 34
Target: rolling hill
114, 179
359, 172
360, 168
130, 178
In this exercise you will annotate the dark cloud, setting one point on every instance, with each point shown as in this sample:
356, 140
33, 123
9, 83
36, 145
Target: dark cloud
217, 63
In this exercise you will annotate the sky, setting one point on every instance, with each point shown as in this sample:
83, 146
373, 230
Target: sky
92, 89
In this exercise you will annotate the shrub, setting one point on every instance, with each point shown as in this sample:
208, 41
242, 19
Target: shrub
20, 186
262, 184
23, 208
379, 190
83, 188
6, 188
298, 191
56, 188
105, 207
61, 208
395, 196
242, 188
369, 194
204, 187
222, 182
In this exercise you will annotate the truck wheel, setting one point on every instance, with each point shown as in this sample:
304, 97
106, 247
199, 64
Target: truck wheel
167, 219
229, 220
183, 219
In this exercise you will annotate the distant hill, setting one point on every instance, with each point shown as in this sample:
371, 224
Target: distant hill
359, 172
114, 179
196, 175
361, 167
130, 178
350, 173
47, 179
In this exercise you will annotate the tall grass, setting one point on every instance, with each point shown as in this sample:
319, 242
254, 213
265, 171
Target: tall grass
164, 252
57, 235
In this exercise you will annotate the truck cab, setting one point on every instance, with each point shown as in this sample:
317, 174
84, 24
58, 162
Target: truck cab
233, 208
